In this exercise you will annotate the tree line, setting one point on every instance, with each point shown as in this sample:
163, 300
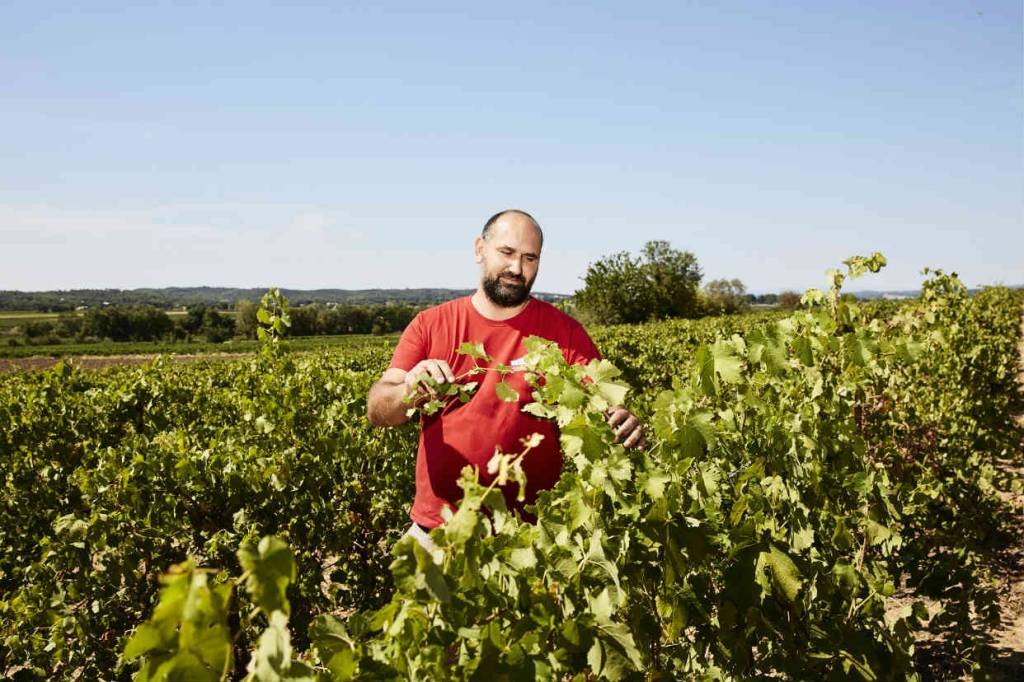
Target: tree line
318, 319
222, 298
201, 322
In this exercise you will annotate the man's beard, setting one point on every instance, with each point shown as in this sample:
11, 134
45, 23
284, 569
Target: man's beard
506, 294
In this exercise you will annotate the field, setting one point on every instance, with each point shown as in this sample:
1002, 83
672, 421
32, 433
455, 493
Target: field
827, 495
11, 318
120, 353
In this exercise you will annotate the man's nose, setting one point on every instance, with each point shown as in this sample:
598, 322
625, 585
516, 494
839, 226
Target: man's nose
515, 267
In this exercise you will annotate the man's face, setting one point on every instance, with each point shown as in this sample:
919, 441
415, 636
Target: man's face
509, 259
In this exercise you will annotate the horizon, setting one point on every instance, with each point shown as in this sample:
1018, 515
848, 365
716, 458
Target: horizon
284, 289
364, 147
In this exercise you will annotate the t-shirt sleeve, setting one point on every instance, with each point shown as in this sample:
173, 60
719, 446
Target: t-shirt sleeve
412, 346
581, 348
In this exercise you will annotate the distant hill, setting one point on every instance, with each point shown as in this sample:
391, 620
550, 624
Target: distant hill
871, 294
224, 297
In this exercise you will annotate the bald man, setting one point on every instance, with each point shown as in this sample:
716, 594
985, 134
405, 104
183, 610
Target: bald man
500, 314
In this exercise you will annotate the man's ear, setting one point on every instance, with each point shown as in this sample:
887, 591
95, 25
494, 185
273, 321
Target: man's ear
478, 249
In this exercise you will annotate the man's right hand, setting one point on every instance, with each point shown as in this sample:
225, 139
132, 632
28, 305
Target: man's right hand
388, 401
438, 370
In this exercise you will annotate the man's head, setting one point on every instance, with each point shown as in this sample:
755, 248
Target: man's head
508, 250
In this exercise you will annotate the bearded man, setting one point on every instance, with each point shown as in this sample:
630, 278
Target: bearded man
500, 314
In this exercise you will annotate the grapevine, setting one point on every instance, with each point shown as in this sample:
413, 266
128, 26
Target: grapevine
802, 471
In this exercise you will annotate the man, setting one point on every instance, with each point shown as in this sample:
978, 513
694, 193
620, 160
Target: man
500, 314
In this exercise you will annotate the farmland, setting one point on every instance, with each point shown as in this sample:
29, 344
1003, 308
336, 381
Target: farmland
821, 490
147, 350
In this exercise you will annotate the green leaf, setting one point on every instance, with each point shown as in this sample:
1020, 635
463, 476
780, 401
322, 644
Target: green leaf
705, 377
146, 638
269, 569
601, 607
802, 349
622, 636
695, 434
433, 579
846, 577
876, 533
785, 574
612, 392
571, 396
803, 538
654, 484
859, 350
727, 364
506, 392
329, 636
474, 350
343, 666
523, 558
272, 659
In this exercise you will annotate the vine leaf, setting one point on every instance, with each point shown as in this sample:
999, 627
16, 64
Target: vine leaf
785, 574
506, 392
269, 568
473, 350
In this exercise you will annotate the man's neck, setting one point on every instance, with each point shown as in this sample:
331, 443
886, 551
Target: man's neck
491, 310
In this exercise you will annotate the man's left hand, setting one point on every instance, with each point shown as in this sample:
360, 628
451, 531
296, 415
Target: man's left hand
628, 429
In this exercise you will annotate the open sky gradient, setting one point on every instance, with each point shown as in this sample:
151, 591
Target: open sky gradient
359, 145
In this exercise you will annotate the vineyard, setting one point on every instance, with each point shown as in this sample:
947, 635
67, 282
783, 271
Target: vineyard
221, 520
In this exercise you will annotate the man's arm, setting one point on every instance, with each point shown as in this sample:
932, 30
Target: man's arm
386, 404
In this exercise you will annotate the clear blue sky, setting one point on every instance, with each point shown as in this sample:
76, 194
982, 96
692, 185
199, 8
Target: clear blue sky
335, 145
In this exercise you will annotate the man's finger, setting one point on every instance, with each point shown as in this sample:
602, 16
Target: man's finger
627, 427
436, 372
448, 374
416, 389
636, 439
617, 416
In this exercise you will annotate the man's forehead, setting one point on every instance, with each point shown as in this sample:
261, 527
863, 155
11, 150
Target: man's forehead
516, 232
526, 249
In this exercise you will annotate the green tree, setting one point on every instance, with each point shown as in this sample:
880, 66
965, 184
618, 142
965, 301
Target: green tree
723, 296
352, 319
245, 319
69, 325
217, 327
660, 283
38, 328
142, 323
192, 322
304, 320
789, 300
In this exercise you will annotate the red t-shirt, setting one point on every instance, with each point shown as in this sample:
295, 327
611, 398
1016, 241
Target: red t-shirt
462, 434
